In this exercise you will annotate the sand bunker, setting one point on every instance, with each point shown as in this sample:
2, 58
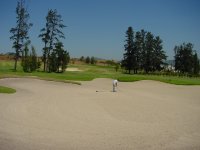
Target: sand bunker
58, 116
73, 69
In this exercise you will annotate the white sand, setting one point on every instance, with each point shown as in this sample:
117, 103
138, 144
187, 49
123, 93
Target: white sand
45, 115
73, 69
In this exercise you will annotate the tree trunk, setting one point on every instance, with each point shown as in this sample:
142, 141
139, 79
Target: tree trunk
44, 64
45, 56
48, 63
16, 59
15, 66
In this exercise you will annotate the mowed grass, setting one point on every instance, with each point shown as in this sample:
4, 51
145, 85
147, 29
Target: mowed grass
90, 72
7, 90
166, 79
87, 73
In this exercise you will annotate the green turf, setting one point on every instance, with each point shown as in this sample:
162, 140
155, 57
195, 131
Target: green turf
166, 79
7, 90
90, 72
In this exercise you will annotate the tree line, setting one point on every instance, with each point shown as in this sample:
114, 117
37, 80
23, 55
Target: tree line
144, 52
55, 58
186, 60
88, 60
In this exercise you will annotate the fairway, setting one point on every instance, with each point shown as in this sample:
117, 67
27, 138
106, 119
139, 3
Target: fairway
86, 72
59, 116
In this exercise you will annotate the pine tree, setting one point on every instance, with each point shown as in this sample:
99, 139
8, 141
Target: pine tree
196, 67
59, 58
158, 55
50, 35
53, 66
92, 60
29, 60
129, 58
149, 50
82, 58
45, 38
65, 60
34, 61
138, 51
87, 60
184, 58
20, 32
26, 59
144, 52
143, 49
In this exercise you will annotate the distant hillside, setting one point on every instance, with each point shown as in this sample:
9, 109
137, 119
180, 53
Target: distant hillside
7, 56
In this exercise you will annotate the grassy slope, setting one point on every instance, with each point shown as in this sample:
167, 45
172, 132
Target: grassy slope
7, 90
167, 79
89, 72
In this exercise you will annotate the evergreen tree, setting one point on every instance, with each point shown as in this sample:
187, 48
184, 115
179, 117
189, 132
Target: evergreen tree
65, 60
184, 58
82, 58
138, 51
45, 38
149, 50
87, 60
196, 67
129, 58
158, 55
34, 61
144, 52
53, 66
29, 60
178, 58
20, 32
50, 35
143, 49
92, 60
26, 59
59, 58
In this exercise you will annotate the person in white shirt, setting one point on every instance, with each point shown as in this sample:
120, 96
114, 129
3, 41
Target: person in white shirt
115, 85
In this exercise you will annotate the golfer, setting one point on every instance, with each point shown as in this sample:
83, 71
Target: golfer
115, 85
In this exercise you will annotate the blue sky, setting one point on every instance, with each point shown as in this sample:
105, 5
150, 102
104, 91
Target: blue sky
97, 27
